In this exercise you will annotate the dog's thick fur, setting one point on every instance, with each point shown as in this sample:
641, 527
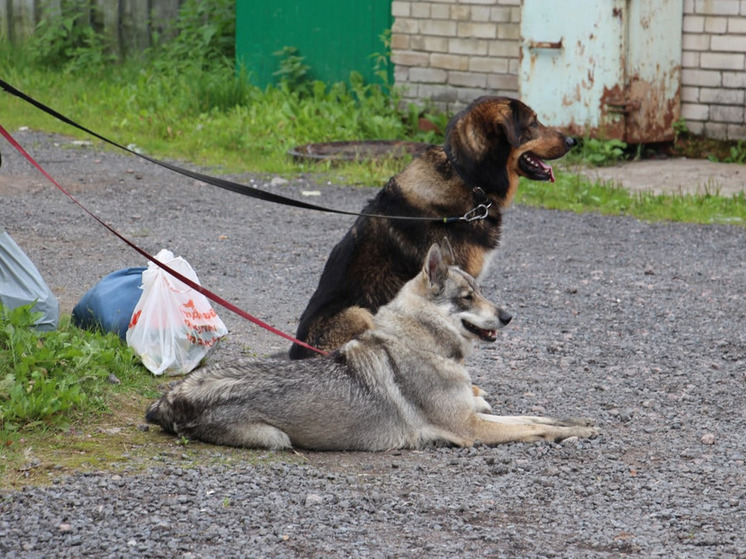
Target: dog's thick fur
401, 384
488, 147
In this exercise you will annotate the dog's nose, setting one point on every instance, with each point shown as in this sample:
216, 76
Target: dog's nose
504, 317
569, 142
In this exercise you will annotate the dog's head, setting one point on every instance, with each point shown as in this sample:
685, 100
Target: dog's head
458, 295
497, 139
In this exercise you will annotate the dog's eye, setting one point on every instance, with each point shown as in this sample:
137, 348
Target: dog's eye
534, 124
467, 296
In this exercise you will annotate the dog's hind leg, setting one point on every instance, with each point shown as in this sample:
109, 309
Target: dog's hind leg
265, 436
248, 435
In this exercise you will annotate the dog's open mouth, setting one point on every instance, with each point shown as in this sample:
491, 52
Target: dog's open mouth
535, 168
486, 335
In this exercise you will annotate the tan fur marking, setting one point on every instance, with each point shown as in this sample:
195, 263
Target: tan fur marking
348, 324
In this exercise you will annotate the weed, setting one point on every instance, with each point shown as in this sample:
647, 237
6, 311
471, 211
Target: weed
736, 154
679, 129
293, 72
382, 63
204, 37
599, 153
65, 39
45, 378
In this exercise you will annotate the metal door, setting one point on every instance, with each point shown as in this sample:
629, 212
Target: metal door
606, 68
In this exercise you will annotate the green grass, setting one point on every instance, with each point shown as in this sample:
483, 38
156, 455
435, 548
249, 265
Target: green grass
49, 379
213, 118
572, 192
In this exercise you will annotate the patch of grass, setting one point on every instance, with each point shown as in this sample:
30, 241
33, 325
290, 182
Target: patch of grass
693, 146
48, 379
212, 119
575, 193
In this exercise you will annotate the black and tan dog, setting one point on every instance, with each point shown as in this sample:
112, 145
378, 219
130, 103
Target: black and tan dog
488, 146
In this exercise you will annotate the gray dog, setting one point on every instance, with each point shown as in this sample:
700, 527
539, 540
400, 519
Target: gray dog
400, 385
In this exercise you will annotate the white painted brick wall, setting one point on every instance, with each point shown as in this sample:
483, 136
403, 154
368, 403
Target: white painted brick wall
452, 51
471, 45
714, 68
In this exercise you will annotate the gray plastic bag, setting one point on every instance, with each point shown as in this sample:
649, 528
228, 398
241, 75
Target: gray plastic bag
22, 284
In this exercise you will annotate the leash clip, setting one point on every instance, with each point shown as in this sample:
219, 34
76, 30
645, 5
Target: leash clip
479, 212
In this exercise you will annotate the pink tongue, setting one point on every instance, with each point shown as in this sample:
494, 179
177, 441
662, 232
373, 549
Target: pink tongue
547, 168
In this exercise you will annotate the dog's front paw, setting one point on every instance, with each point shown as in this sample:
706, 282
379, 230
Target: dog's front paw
481, 405
577, 421
576, 432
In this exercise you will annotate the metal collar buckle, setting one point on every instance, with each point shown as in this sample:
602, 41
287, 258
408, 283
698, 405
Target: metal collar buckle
481, 211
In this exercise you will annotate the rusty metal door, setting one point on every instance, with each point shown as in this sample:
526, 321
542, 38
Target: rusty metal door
606, 68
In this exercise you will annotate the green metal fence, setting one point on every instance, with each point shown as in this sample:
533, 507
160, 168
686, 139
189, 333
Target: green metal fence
334, 37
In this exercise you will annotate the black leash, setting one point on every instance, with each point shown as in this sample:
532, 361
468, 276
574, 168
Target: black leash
480, 211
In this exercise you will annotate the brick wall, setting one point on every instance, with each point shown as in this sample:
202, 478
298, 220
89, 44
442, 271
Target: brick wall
451, 51
713, 73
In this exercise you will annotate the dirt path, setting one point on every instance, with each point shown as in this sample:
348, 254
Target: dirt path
675, 176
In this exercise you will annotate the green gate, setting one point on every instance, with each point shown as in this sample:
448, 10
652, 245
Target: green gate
334, 37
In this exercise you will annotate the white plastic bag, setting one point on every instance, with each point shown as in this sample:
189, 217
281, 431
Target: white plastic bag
173, 327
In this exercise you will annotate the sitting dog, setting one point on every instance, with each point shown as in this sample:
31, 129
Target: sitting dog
474, 175
400, 384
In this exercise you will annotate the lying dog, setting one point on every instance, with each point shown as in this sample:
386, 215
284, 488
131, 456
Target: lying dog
475, 174
401, 384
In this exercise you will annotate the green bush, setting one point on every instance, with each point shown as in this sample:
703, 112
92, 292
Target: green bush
204, 38
66, 40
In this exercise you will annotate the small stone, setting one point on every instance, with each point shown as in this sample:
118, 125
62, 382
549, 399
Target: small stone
708, 438
313, 499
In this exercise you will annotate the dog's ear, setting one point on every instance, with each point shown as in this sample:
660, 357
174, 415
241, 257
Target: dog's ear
447, 251
511, 127
436, 268
479, 140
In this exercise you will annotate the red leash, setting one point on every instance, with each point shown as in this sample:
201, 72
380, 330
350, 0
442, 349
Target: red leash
206, 292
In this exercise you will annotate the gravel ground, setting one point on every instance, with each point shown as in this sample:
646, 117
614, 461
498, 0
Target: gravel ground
641, 326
